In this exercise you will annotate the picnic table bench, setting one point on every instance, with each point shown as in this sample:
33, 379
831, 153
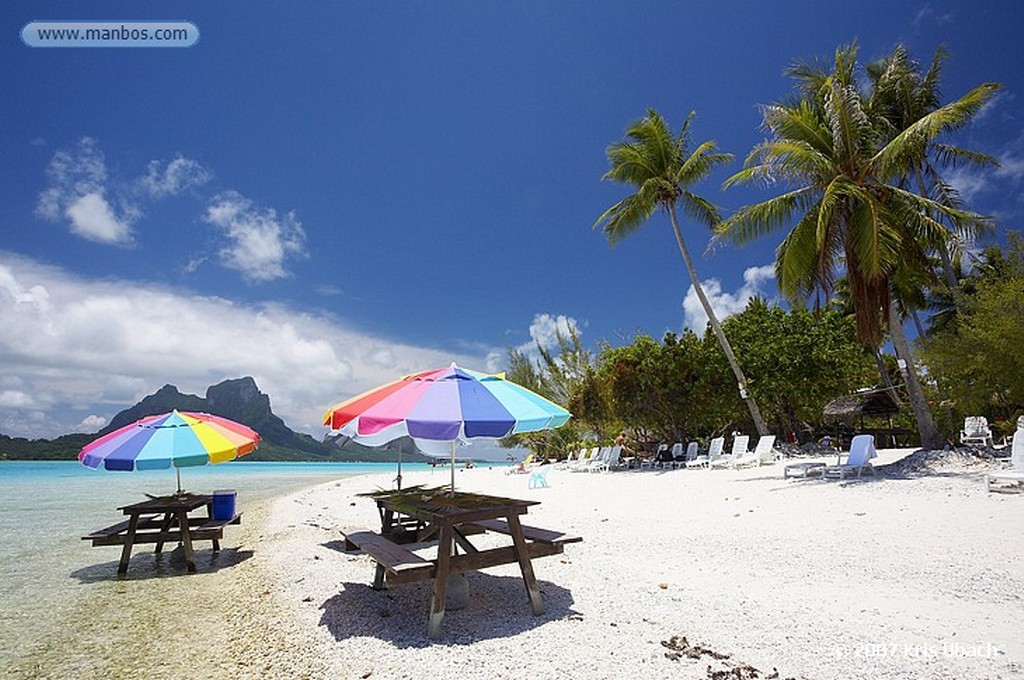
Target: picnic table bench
452, 519
164, 520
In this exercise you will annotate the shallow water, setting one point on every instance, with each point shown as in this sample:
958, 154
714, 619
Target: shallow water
48, 575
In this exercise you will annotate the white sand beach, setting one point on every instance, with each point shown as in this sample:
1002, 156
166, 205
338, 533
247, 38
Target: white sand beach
916, 576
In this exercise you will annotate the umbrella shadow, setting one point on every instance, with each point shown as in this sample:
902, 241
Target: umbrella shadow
169, 564
498, 607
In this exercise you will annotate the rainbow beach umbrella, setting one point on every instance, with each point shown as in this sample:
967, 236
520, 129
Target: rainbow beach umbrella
179, 439
444, 406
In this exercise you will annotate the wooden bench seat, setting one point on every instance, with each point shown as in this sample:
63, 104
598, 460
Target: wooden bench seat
152, 530
401, 565
529, 533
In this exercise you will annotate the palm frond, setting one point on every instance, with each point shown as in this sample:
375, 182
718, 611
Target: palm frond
759, 219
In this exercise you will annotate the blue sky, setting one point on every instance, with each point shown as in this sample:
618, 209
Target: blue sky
328, 195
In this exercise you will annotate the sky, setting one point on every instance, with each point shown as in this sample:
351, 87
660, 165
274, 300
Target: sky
326, 196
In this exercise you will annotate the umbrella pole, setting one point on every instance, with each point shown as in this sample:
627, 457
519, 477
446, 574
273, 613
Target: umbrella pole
177, 472
399, 477
453, 467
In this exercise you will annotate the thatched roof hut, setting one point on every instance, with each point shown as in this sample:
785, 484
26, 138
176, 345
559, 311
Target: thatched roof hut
863, 403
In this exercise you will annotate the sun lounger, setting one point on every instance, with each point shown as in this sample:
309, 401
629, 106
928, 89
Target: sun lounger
976, 431
739, 449
683, 459
862, 450
1016, 473
764, 452
608, 461
714, 453
584, 460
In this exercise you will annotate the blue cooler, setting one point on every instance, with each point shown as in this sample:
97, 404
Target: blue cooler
224, 504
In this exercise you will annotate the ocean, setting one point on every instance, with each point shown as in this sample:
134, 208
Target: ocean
47, 571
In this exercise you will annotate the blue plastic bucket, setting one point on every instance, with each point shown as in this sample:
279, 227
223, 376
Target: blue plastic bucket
224, 504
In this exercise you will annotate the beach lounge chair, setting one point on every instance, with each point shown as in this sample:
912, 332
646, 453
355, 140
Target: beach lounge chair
523, 467
976, 431
570, 459
714, 453
584, 460
664, 456
739, 449
677, 455
595, 459
539, 477
862, 450
764, 452
609, 460
682, 460
1016, 472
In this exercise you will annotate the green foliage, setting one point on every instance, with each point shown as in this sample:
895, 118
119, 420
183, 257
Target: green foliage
979, 358
798, 361
682, 388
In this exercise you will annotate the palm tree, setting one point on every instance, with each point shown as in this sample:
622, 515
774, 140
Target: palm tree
661, 167
849, 207
902, 94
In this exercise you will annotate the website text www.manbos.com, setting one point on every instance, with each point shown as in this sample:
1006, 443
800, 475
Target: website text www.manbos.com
109, 34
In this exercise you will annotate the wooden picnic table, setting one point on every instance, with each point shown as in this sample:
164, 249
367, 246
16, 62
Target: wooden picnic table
451, 519
163, 520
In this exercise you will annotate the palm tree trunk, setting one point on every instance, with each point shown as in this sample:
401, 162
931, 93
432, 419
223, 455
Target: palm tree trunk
741, 380
930, 436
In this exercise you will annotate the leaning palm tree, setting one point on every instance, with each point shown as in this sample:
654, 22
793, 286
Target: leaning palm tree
902, 94
849, 206
661, 167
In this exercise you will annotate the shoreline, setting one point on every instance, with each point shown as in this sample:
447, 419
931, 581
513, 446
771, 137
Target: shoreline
904, 577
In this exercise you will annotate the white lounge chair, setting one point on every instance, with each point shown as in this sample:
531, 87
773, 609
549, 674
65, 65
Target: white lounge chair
570, 459
739, 449
584, 460
1016, 471
862, 450
976, 431
764, 452
677, 455
609, 460
683, 460
714, 453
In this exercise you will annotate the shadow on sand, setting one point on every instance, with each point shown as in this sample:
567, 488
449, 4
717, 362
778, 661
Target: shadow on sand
146, 565
498, 607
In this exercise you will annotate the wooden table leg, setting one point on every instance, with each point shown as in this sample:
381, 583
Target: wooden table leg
444, 560
168, 518
523, 555
186, 541
209, 516
129, 540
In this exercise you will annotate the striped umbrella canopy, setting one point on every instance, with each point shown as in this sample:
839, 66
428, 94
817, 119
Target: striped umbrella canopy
179, 439
445, 405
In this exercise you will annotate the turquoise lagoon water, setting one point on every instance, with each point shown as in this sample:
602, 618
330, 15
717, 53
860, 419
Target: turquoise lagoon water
46, 507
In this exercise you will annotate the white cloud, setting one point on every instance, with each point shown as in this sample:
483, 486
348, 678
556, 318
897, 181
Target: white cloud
177, 176
544, 330
91, 423
78, 193
259, 241
82, 350
968, 182
724, 303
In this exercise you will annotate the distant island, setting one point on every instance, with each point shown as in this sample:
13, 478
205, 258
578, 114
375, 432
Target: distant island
238, 399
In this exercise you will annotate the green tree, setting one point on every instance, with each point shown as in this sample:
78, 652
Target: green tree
800, 360
849, 207
661, 167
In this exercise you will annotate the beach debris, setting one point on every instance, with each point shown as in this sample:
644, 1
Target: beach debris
680, 647
663, 586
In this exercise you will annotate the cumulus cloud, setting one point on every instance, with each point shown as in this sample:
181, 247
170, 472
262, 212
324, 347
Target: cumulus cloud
259, 241
78, 193
74, 352
544, 331
173, 178
724, 303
